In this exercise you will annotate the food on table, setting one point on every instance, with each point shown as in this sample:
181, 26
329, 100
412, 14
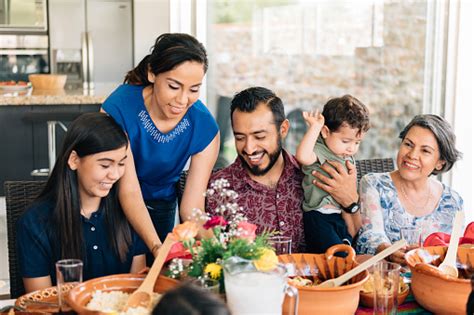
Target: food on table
115, 301
300, 281
12, 83
369, 287
306, 281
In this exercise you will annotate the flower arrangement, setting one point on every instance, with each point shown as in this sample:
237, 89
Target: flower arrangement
232, 235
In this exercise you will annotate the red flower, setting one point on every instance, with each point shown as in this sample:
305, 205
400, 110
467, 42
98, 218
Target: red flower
247, 230
215, 221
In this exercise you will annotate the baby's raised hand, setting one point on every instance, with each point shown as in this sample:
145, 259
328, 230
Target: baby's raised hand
314, 119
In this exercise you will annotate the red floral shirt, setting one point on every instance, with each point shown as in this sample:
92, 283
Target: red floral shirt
269, 208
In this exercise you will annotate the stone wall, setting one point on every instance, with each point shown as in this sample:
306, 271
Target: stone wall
387, 77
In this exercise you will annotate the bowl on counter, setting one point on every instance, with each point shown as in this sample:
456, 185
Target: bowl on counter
435, 291
80, 295
47, 81
318, 268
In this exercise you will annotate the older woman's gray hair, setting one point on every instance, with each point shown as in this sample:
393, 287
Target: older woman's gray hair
444, 135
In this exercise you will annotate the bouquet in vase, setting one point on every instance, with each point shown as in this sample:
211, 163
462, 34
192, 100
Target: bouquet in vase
231, 235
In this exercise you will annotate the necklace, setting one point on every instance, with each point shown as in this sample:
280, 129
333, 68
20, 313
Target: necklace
415, 205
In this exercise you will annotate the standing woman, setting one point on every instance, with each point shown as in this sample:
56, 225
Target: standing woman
78, 214
410, 196
167, 124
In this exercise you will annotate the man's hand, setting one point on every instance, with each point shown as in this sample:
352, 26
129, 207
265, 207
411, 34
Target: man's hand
342, 185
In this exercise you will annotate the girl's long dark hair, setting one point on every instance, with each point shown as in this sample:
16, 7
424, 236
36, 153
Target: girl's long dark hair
170, 50
90, 133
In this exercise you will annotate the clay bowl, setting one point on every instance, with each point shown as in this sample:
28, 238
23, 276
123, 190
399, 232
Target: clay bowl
367, 298
314, 300
434, 290
80, 295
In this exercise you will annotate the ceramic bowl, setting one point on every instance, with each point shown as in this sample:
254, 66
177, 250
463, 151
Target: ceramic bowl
314, 300
367, 298
80, 295
434, 290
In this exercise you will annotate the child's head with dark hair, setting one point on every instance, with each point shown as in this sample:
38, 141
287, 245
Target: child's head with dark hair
188, 299
346, 120
346, 110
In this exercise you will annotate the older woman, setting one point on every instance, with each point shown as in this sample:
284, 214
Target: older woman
410, 196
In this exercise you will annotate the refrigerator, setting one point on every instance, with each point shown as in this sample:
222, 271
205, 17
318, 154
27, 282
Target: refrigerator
91, 40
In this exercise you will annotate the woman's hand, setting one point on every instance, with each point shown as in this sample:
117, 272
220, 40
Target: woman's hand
398, 256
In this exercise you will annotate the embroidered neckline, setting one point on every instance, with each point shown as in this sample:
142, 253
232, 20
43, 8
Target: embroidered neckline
157, 135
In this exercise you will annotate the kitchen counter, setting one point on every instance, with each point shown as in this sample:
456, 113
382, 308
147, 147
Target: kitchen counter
57, 97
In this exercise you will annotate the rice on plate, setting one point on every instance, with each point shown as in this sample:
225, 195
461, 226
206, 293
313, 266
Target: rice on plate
115, 301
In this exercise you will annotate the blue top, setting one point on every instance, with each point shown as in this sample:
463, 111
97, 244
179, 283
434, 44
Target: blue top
38, 250
159, 157
383, 214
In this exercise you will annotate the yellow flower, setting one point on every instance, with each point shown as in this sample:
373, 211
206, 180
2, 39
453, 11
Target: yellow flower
267, 261
214, 270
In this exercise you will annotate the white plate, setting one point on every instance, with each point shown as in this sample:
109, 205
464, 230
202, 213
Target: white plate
14, 88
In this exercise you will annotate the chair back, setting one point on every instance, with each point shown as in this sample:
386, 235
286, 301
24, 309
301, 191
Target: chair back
180, 186
18, 196
373, 166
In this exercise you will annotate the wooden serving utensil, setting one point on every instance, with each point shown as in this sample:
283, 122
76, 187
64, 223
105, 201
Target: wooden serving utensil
448, 266
142, 296
331, 283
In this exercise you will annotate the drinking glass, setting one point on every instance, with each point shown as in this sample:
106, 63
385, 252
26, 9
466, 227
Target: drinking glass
209, 284
68, 275
281, 244
386, 278
411, 234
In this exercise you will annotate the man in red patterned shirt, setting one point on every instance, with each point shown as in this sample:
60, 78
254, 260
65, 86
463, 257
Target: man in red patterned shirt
268, 178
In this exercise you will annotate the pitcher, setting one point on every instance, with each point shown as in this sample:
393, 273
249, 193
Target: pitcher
250, 291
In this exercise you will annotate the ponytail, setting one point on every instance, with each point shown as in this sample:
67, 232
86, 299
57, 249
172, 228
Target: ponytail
139, 74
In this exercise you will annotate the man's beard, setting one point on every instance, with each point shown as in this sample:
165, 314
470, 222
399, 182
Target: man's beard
273, 157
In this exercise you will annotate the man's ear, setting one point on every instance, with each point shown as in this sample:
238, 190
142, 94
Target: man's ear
324, 132
73, 160
284, 128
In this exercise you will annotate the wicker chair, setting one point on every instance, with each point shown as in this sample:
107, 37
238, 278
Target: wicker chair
373, 166
18, 196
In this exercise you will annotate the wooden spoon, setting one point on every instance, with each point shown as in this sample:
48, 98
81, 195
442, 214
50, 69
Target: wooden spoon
448, 266
142, 296
331, 283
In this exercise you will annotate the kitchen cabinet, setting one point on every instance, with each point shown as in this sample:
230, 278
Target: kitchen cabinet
24, 138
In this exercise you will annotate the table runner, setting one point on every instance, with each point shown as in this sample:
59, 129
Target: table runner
410, 306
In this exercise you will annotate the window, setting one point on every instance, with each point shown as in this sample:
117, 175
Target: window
309, 51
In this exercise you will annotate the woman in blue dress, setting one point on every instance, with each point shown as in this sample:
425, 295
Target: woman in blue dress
167, 125
78, 215
410, 195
